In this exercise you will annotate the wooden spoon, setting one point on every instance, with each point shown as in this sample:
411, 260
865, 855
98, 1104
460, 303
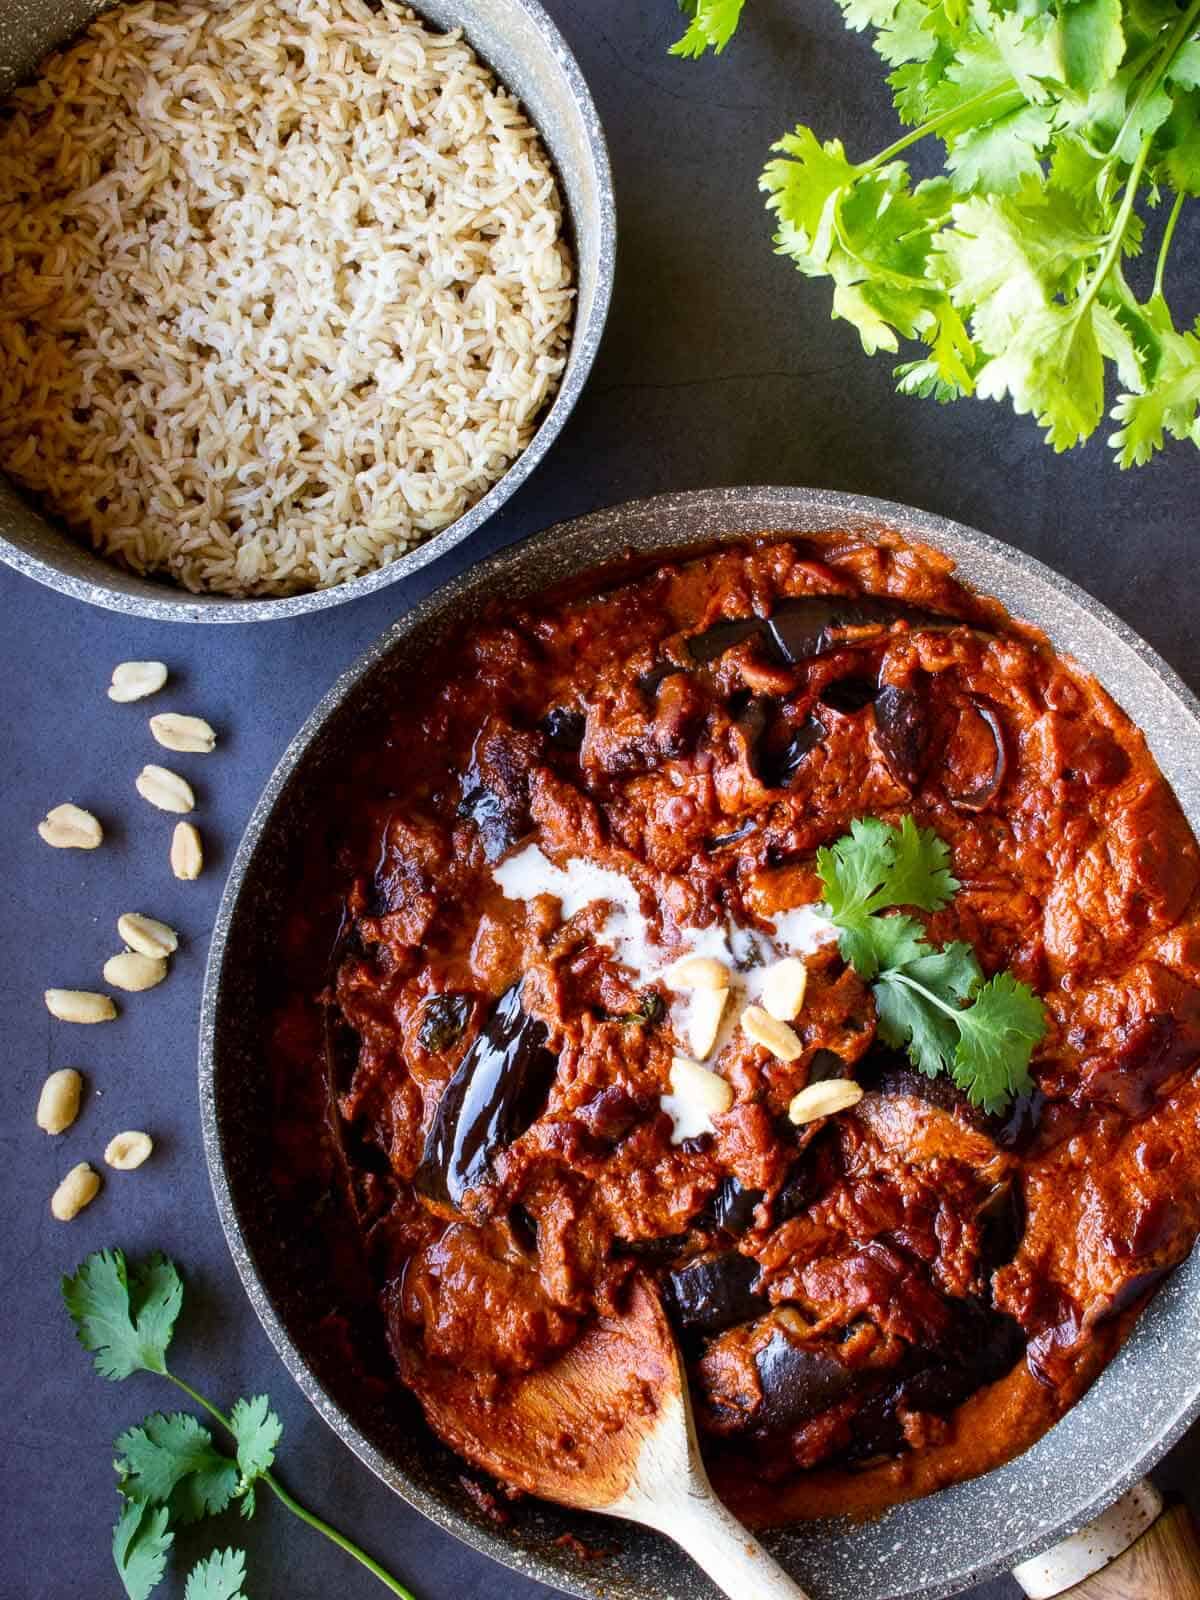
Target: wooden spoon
608, 1427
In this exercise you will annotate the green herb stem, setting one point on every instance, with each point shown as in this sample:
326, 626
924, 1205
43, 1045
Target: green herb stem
1164, 249
294, 1506
1112, 249
936, 124
896, 976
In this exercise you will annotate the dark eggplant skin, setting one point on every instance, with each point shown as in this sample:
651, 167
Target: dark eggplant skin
778, 768
713, 642
849, 696
979, 798
798, 1383
732, 1207
499, 1089
495, 787
806, 626
713, 1293
903, 732
1001, 1220
444, 1019
564, 728
983, 1346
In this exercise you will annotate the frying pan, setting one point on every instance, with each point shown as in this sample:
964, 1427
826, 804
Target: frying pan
933, 1547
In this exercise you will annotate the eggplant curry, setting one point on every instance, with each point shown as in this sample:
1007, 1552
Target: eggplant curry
570, 1001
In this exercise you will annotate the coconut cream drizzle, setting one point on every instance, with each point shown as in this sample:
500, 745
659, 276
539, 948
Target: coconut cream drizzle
626, 931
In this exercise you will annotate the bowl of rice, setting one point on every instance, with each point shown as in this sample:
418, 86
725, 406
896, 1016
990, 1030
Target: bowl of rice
293, 293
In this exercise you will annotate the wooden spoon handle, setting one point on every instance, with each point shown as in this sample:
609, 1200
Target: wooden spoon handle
1164, 1564
727, 1551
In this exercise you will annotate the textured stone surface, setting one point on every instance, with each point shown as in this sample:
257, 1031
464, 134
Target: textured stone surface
719, 366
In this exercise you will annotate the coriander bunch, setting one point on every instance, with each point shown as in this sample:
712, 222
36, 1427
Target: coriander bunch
1061, 122
169, 1470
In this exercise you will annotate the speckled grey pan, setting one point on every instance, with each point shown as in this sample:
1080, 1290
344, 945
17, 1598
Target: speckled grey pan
529, 55
932, 1548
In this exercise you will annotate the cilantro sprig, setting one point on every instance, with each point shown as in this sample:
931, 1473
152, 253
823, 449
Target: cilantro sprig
713, 23
1061, 122
933, 1003
169, 1469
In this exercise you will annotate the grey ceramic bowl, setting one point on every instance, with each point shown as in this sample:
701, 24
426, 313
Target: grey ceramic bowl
528, 54
931, 1548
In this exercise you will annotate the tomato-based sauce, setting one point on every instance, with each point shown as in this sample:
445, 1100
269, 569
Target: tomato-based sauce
474, 1058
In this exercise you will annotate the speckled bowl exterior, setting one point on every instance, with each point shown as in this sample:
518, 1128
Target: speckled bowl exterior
523, 47
931, 1548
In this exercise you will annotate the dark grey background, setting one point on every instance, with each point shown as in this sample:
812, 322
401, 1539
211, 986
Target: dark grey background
720, 366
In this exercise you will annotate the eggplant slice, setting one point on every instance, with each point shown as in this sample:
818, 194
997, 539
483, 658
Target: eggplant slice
498, 1091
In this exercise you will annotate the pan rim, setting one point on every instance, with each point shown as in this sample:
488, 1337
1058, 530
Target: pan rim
1068, 1512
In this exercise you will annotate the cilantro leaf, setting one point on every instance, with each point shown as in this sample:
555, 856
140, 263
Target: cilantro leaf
997, 1035
218, 1577
257, 1430
713, 24
1171, 405
126, 1318
932, 1003
139, 1546
1092, 38
172, 1461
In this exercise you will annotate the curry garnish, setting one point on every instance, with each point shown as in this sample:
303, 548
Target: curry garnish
934, 1003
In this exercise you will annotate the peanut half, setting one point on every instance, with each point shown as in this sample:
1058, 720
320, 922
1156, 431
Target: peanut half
176, 732
824, 1099
146, 935
698, 972
69, 827
165, 789
134, 680
700, 1087
78, 1189
79, 1005
783, 988
125, 1151
134, 972
783, 1042
187, 853
705, 1010
58, 1103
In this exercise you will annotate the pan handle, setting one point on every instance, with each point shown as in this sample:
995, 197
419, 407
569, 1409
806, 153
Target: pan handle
1164, 1564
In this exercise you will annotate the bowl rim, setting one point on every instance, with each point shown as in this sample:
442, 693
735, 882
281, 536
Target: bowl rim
1065, 1515
178, 605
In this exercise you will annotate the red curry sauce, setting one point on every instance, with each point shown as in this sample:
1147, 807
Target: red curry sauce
874, 1304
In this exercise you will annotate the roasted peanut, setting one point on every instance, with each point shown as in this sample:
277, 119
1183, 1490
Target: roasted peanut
187, 853
165, 789
698, 972
146, 935
78, 1189
125, 1151
783, 988
134, 680
79, 1005
189, 734
69, 827
775, 1036
705, 1009
824, 1099
58, 1103
134, 972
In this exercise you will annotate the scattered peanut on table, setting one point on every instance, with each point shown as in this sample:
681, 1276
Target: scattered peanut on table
174, 731
147, 935
165, 789
58, 1103
134, 680
125, 1151
187, 853
134, 972
70, 827
79, 1005
78, 1189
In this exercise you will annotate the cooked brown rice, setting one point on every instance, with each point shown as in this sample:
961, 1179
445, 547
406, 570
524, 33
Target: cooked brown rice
283, 287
